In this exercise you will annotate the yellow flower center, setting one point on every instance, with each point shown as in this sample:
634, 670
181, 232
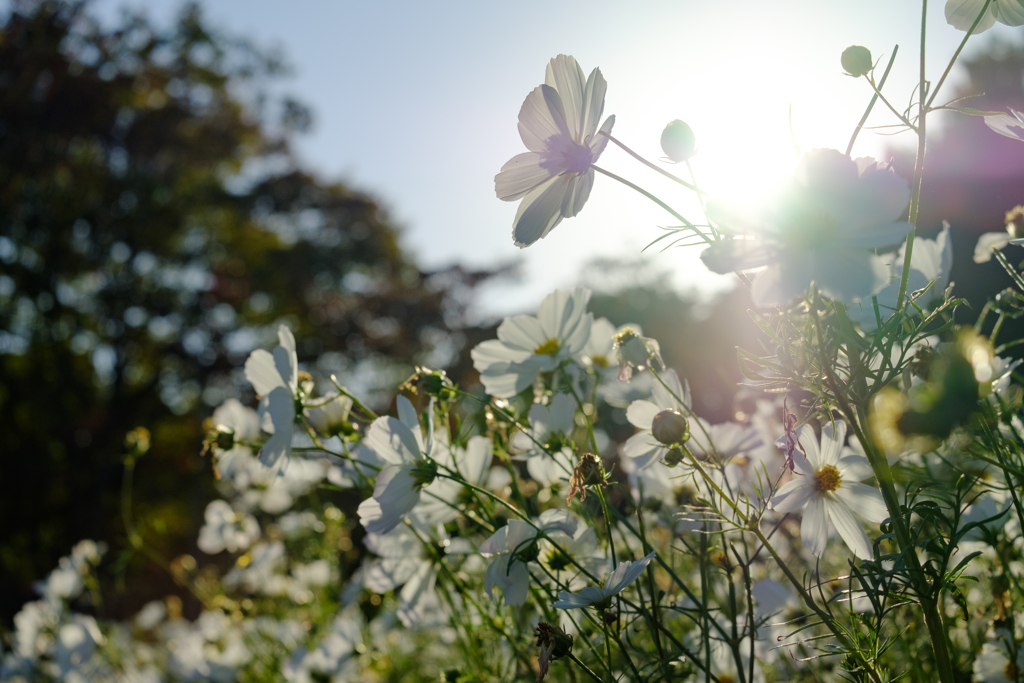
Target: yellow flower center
725, 678
600, 361
827, 478
548, 348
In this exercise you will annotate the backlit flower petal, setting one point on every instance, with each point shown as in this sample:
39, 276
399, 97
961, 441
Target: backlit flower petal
814, 526
849, 527
542, 118
521, 174
960, 14
565, 75
540, 211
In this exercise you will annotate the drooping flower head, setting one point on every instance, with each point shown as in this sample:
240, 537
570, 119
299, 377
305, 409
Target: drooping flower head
825, 229
558, 124
528, 345
623, 575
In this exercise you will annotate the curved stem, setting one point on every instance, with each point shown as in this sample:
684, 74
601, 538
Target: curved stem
956, 55
654, 199
660, 170
871, 104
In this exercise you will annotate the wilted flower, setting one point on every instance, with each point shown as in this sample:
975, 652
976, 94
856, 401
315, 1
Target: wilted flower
635, 352
275, 378
558, 124
961, 14
587, 472
834, 215
528, 345
827, 487
623, 575
678, 141
856, 60
553, 643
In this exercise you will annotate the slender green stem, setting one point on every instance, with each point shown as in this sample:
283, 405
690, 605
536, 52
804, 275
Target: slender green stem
915, 190
660, 170
871, 104
654, 199
956, 55
878, 92
586, 669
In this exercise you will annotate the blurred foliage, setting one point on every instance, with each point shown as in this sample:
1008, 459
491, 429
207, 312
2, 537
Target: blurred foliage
154, 229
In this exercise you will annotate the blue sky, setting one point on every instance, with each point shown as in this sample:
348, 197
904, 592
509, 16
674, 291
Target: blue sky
416, 103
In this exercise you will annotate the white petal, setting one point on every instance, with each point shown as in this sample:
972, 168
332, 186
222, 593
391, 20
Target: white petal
782, 282
565, 75
792, 495
832, 440
521, 174
593, 106
542, 118
599, 141
960, 14
809, 444
285, 359
854, 468
540, 211
1010, 126
417, 595
733, 255
641, 414
1009, 12
814, 526
522, 332
849, 274
474, 463
982, 252
578, 193
558, 520
625, 574
865, 501
850, 528
876, 236
281, 409
669, 395
262, 373
562, 415
392, 441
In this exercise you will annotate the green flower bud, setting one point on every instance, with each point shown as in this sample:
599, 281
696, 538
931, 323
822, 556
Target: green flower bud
670, 427
856, 60
678, 141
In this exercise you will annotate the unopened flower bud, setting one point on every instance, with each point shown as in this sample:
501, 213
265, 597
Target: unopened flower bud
670, 427
425, 382
856, 60
1015, 222
678, 141
674, 456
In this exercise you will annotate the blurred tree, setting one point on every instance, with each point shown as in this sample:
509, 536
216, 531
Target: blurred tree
154, 229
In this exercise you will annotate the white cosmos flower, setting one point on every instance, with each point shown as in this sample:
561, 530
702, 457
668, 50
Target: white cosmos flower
329, 414
528, 345
825, 229
403, 446
642, 446
827, 486
960, 14
226, 529
558, 124
513, 546
623, 575
275, 378
441, 500
599, 352
931, 260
